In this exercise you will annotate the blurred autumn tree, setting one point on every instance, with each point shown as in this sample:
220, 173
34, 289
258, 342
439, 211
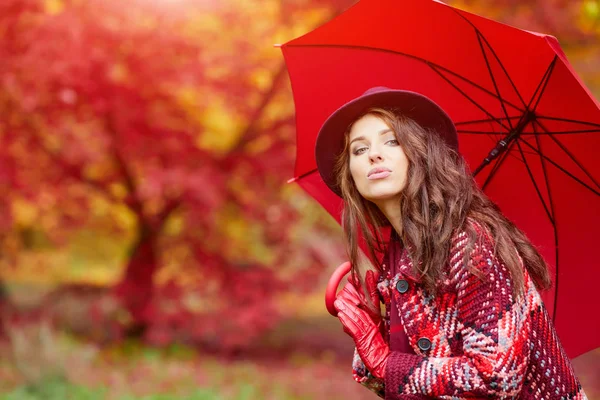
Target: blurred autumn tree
168, 126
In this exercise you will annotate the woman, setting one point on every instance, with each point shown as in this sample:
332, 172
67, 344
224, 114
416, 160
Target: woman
460, 282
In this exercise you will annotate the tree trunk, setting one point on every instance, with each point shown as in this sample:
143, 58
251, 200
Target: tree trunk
3, 294
136, 289
4, 307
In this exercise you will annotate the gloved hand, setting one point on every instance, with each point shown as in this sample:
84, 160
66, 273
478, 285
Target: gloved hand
372, 307
361, 327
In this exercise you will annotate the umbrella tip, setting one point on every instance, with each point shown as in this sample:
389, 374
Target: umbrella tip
277, 44
292, 180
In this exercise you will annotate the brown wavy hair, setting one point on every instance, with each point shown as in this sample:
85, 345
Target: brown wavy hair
439, 196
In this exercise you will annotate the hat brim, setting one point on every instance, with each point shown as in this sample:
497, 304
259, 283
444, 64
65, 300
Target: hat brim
330, 140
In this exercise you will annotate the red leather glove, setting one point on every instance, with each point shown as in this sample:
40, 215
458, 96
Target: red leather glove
357, 323
374, 308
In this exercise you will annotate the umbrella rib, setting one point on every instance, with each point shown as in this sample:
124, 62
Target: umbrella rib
304, 175
503, 143
479, 121
574, 121
494, 53
477, 132
490, 135
531, 133
488, 92
553, 221
571, 156
527, 116
566, 132
489, 68
526, 152
563, 170
431, 64
495, 168
544, 81
498, 121
535, 185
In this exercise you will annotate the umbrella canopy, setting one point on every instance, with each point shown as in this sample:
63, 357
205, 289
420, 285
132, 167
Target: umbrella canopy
528, 127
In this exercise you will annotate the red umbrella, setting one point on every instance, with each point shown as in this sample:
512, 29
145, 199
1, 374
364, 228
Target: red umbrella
528, 127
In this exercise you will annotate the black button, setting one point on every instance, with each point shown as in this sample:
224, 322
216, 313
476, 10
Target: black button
424, 344
402, 286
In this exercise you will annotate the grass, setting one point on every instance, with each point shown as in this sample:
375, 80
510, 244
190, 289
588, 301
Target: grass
132, 371
306, 358
60, 389
298, 362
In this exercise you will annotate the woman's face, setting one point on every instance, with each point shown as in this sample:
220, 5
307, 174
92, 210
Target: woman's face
378, 164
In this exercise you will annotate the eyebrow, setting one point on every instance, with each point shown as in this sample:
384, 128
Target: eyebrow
382, 132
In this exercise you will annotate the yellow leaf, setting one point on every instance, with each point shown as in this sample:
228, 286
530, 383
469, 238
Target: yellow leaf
591, 8
216, 72
260, 144
262, 78
222, 129
53, 142
119, 73
118, 190
174, 225
99, 206
187, 97
200, 23
24, 213
124, 217
93, 171
54, 7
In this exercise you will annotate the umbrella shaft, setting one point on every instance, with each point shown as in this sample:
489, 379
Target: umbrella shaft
496, 151
502, 144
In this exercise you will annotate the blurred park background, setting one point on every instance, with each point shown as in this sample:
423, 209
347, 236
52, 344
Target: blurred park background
150, 247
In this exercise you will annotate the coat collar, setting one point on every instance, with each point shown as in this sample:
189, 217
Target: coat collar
399, 259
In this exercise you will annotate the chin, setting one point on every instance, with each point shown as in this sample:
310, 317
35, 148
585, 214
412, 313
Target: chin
381, 195
382, 191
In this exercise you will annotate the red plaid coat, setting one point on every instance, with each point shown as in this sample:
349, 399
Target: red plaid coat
473, 339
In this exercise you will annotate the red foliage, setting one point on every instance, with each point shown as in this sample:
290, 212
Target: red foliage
99, 98
102, 99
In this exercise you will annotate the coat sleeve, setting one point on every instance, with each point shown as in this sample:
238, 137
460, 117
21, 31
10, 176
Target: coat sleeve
495, 334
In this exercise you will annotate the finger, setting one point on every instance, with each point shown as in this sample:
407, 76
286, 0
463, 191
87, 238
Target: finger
349, 308
352, 279
360, 317
357, 286
350, 300
373, 274
339, 305
359, 297
350, 326
352, 289
371, 280
345, 305
350, 294
346, 314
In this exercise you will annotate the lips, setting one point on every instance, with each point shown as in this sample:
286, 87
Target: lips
379, 173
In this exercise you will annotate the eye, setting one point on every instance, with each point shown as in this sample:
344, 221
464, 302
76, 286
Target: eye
359, 150
393, 142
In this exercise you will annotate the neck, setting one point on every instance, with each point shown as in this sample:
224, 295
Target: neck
391, 209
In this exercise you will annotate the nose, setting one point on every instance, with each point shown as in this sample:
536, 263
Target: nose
375, 154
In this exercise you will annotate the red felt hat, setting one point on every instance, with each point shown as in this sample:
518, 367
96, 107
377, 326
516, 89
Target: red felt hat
422, 110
